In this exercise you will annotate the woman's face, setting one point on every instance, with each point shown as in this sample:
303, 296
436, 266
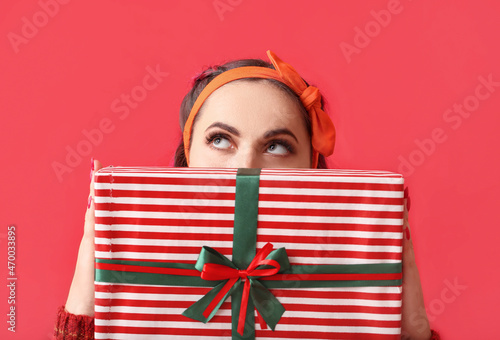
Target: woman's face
247, 124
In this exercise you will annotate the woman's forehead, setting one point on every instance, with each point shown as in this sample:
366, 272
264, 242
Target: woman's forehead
250, 102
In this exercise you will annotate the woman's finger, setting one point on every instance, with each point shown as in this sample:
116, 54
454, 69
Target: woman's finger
414, 323
89, 215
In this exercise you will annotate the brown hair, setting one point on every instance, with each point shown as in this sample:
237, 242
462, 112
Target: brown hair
205, 77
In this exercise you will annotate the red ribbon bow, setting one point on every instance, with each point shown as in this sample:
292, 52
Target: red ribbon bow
212, 271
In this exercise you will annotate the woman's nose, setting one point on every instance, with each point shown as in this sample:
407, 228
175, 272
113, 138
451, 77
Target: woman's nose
246, 159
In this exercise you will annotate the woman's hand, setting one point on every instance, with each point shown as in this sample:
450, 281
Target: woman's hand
415, 325
81, 293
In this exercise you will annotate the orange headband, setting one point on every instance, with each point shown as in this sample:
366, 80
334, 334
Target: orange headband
322, 128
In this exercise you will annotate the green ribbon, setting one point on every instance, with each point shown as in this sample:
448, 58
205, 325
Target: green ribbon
246, 208
115, 273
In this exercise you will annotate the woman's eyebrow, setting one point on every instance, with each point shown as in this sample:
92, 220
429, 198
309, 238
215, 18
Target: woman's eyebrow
226, 127
272, 133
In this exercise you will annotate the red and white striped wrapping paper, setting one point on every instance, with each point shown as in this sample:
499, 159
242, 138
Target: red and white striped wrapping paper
319, 216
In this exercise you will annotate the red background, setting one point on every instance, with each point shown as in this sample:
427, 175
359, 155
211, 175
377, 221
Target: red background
61, 78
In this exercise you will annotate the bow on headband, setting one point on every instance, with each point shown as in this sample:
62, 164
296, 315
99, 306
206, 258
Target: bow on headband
322, 128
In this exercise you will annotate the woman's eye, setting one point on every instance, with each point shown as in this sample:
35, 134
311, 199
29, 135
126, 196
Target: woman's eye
277, 149
221, 143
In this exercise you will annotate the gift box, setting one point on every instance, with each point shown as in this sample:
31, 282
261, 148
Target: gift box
185, 253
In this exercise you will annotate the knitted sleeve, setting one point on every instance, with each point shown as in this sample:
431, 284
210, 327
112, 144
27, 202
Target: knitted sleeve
70, 326
434, 335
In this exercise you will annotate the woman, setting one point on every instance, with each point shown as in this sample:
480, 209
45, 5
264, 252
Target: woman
244, 114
